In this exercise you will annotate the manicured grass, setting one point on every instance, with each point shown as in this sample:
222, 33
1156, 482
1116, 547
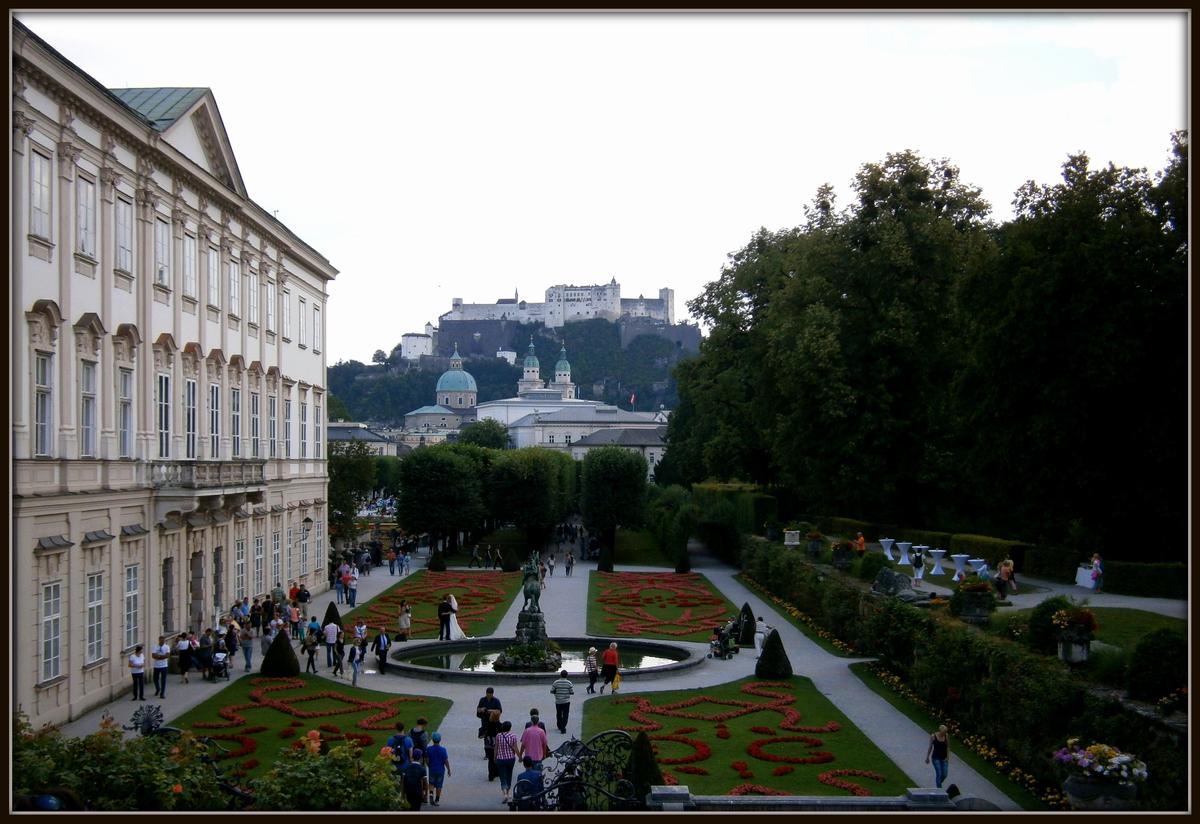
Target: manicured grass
1124, 628
684, 607
714, 728
821, 637
483, 598
1019, 793
248, 716
637, 547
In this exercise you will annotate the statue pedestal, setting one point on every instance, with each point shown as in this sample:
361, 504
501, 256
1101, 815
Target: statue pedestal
531, 628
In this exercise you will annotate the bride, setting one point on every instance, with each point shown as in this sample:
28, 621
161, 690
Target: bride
456, 632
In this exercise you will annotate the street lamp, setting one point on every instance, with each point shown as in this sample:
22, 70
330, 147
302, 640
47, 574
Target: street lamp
306, 527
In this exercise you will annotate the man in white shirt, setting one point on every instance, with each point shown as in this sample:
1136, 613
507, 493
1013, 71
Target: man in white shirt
331, 633
161, 654
353, 594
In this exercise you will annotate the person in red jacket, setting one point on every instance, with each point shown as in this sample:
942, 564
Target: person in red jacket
611, 661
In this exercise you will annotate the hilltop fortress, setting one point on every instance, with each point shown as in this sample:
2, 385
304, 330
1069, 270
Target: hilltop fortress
565, 303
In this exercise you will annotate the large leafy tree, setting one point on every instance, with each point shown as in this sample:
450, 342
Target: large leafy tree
351, 482
614, 491
533, 489
488, 433
1078, 368
440, 493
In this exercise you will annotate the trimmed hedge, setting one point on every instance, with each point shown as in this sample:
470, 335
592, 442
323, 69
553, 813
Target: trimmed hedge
1054, 563
992, 550
1150, 580
1026, 704
926, 537
848, 527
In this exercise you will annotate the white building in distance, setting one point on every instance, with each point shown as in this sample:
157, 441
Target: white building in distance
566, 303
167, 383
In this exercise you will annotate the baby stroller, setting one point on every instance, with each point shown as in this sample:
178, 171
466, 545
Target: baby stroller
720, 646
220, 665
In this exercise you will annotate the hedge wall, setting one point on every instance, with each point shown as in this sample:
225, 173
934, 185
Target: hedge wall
1026, 704
1050, 562
993, 550
925, 537
1150, 580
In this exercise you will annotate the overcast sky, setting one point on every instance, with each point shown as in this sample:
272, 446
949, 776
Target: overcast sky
432, 156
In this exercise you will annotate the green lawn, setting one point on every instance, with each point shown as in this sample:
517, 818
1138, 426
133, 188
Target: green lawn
683, 607
1123, 627
639, 548
248, 716
821, 637
726, 728
483, 598
1024, 795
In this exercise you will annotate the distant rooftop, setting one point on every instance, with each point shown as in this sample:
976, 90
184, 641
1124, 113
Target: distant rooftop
161, 106
625, 437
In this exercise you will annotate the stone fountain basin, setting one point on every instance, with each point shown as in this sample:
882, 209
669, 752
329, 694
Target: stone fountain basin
683, 656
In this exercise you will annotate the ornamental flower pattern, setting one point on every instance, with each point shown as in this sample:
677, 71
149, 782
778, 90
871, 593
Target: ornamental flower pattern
652, 718
478, 595
631, 598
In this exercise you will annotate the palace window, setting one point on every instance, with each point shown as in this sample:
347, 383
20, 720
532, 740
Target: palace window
132, 613
258, 565
162, 252
189, 418
303, 429
235, 417
125, 412
124, 235
287, 427
39, 195
272, 406
317, 427
214, 277
164, 415
43, 403
270, 306
303, 321
239, 569
87, 409
235, 288
275, 576
214, 421
287, 314
252, 294
85, 216
51, 630
254, 424
316, 330
95, 618
189, 266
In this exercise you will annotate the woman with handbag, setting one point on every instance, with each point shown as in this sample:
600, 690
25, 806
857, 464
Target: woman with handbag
491, 728
611, 662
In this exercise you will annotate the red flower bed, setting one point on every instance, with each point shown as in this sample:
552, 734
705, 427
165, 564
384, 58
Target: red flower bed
478, 594
722, 731
831, 778
762, 730
684, 730
739, 765
756, 749
329, 728
623, 594
701, 750
755, 789
690, 770
287, 732
248, 764
248, 745
784, 770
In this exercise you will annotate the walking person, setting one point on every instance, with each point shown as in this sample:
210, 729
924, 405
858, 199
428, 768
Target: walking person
550, 565
491, 728
534, 744
161, 655
309, 647
339, 655
486, 704
339, 586
593, 671
917, 555
137, 668
356, 655
380, 647
570, 563
404, 622
391, 556
437, 762
246, 641
204, 653
506, 758
475, 561
353, 584
256, 611
1098, 572
294, 619
1003, 580
331, 635
562, 689
939, 752
611, 662
183, 648
415, 781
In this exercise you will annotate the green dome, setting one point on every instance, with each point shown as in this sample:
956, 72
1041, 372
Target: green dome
455, 379
563, 365
531, 361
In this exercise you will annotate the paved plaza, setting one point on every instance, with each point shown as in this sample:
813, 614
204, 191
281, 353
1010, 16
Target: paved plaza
564, 604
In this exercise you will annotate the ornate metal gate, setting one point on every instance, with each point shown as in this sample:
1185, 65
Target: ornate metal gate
583, 776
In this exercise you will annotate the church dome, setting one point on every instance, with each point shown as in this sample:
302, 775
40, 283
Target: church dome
455, 379
563, 365
531, 361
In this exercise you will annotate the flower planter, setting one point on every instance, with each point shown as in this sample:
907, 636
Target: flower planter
1074, 649
1087, 793
814, 549
976, 607
843, 557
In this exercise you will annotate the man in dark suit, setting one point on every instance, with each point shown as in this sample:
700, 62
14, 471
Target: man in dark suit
444, 611
380, 647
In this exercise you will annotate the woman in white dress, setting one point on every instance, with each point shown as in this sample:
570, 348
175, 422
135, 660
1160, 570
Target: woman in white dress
456, 632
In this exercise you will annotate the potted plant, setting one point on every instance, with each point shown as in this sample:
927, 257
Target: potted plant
973, 601
1075, 627
843, 555
814, 544
1099, 776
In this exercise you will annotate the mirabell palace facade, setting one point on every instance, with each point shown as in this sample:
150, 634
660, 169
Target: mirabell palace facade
167, 382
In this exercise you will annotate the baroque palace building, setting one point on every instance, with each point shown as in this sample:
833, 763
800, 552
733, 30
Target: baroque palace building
167, 381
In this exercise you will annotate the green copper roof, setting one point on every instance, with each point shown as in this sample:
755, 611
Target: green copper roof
531, 361
161, 106
563, 365
455, 379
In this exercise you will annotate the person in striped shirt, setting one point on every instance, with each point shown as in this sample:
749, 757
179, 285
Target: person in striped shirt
506, 757
562, 690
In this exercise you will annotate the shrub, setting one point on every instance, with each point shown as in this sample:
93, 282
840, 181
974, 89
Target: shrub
925, 537
1108, 665
746, 637
1150, 580
510, 561
1055, 563
315, 776
683, 560
605, 562
871, 563
280, 660
1158, 665
437, 561
992, 550
643, 768
970, 586
849, 527
773, 663
1043, 634
332, 614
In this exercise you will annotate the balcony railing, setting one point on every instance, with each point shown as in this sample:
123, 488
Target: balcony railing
207, 474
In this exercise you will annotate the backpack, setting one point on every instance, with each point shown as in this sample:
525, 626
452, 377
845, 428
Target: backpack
419, 739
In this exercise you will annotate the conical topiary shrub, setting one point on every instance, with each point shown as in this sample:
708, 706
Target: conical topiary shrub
280, 660
683, 561
773, 663
510, 560
746, 636
605, 562
437, 562
642, 768
332, 614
